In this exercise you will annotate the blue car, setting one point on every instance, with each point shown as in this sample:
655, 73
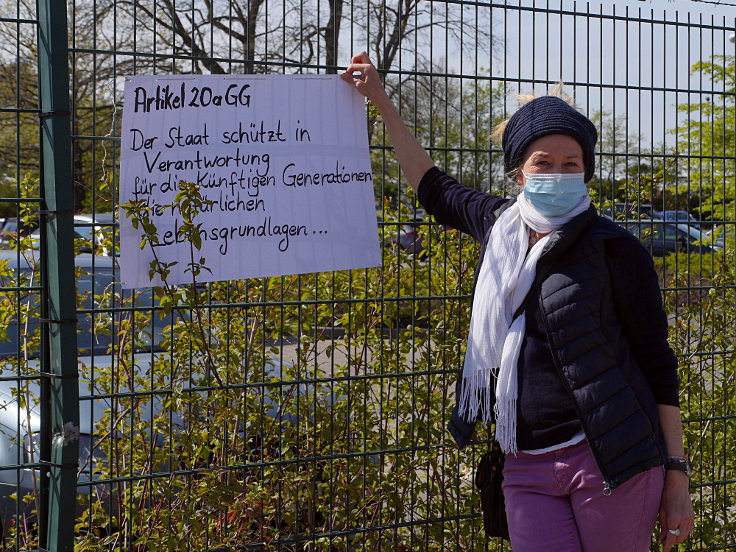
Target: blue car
661, 237
20, 382
680, 217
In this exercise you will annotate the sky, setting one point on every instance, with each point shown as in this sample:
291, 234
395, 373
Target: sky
631, 59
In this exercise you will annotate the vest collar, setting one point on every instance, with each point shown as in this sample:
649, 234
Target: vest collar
562, 239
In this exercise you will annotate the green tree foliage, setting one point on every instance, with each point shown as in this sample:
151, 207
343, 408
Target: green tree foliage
92, 94
19, 150
454, 122
628, 170
619, 152
703, 334
706, 141
622, 171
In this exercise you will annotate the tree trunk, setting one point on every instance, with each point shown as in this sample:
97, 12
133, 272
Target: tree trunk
332, 35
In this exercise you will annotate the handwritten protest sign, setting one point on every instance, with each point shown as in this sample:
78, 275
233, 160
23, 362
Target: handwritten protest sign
282, 160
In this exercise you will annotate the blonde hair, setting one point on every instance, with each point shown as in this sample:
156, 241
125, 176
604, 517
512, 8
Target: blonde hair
521, 99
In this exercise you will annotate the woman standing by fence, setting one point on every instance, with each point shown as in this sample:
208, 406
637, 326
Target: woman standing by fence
567, 350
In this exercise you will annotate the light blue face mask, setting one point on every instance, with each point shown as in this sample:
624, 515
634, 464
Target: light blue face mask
554, 195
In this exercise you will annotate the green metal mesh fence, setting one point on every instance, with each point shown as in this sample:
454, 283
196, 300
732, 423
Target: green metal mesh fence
21, 291
307, 412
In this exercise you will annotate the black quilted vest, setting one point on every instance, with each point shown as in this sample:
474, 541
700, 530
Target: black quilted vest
613, 401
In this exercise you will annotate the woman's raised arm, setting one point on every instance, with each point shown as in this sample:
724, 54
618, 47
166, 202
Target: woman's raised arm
413, 158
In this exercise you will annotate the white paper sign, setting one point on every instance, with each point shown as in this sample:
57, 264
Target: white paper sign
283, 159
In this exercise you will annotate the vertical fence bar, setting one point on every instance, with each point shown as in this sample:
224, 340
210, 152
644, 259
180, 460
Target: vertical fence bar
58, 262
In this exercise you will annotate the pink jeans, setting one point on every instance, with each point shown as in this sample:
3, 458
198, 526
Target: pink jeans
555, 502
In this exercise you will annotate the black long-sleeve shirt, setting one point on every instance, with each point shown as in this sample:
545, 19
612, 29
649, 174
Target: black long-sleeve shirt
545, 412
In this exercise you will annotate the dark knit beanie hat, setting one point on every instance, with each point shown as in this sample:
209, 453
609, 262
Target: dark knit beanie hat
543, 116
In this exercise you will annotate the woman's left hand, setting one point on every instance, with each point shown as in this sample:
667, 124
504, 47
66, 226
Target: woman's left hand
676, 511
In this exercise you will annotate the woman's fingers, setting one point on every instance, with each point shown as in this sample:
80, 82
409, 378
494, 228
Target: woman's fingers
362, 57
356, 75
669, 542
675, 529
362, 68
360, 63
671, 539
676, 514
363, 75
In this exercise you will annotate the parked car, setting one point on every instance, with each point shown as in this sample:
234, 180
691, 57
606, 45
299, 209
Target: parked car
19, 410
97, 230
407, 236
95, 234
9, 233
410, 238
20, 422
682, 217
721, 236
661, 237
620, 211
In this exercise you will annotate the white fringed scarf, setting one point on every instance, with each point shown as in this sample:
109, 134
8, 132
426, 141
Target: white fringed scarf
494, 341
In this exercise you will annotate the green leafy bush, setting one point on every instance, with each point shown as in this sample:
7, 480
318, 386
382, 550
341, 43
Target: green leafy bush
308, 412
220, 441
703, 335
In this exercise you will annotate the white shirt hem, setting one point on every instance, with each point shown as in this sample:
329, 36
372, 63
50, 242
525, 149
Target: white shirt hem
577, 438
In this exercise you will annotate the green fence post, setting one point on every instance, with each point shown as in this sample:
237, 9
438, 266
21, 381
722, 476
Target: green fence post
58, 259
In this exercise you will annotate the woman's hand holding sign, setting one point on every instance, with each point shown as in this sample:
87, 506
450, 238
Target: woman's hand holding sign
413, 158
